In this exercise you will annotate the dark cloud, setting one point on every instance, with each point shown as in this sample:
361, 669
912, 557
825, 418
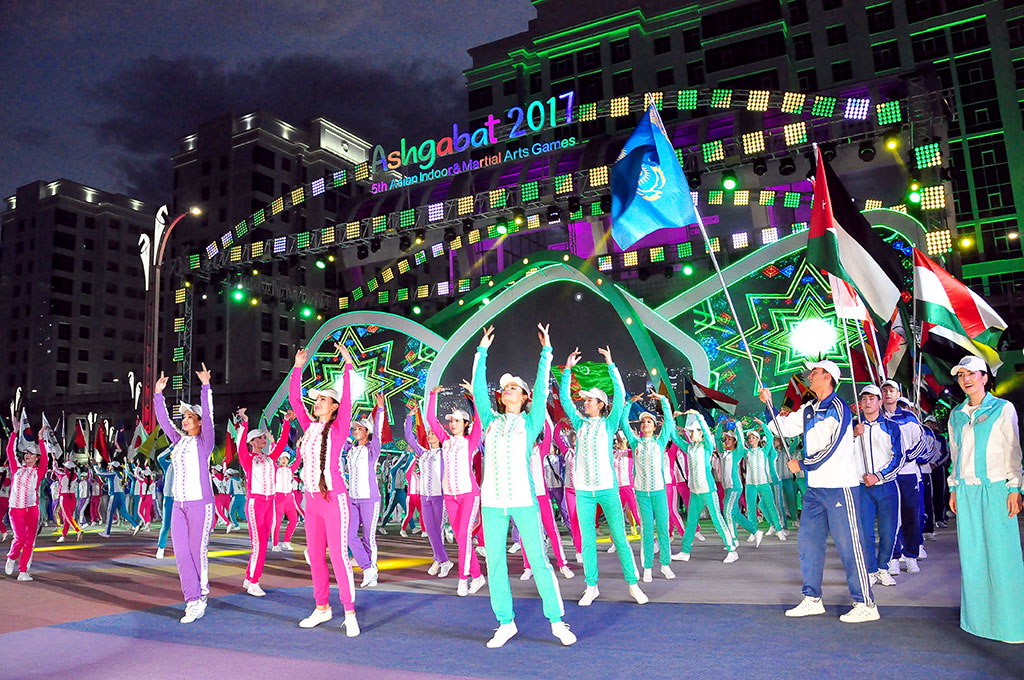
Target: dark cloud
152, 102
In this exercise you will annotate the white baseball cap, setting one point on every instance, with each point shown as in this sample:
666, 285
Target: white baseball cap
904, 401
509, 379
194, 408
115, 464
871, 389
69, 464
649, 416
970, 363
458, 413
368, 424
595, 393
931, 419
254, 434
328, 392
893, 384
828, 366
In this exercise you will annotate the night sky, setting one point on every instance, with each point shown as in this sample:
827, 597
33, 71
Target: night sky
98, 92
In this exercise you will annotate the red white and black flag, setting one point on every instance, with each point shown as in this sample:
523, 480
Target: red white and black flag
709, 398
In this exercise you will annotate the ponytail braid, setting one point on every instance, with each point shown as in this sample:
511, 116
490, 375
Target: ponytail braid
323, 454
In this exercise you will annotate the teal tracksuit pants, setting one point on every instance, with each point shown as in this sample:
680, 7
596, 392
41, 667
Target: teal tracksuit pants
733, 514
653, 517
586, 513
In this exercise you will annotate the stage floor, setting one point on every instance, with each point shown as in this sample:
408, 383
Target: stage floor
106, 608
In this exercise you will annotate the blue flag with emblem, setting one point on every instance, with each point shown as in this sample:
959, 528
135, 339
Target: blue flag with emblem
649, 189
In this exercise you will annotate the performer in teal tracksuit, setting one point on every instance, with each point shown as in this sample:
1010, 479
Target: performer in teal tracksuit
699, 446
729, 437
507, 491
760, 465
985, 484
649, 484
594, 473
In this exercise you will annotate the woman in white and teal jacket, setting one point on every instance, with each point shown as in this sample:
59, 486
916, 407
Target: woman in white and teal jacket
985, 484
649, 484
732, 452
594, 473
760, 468
507, 491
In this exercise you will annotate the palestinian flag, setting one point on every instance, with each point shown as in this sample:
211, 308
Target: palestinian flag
954, 312
841, 242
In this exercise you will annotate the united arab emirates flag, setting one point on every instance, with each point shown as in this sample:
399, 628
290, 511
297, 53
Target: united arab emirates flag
955, 313
841, 242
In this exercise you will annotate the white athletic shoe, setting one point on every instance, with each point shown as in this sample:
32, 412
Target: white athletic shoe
912, 567
873, 578
681, 557
700, 536
402, 533
316, 618
667, 572
611, 548
255, 590
287, 545
24, 576
751, 538
589, 595
276, 548
104, 534
512, 551
381, 530
566, 572
445, 568
579, 558
758, 537
502, 634
783, 535
305, 556
884, 578
861, 613
159, 553
526, 575
894, 567
657, 548
193, 610
369, 578
463, 588
245, 583
638, 595
60, 540
9, 566
922, 554
731, 557
227, 529
3, 537
476, 584
481, 551
809, 606
351, 625
135, 529
647, 576
448, 536
771, 531
433, 568
560, 629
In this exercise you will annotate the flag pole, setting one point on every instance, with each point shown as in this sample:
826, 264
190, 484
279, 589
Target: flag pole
867, 357
853, 385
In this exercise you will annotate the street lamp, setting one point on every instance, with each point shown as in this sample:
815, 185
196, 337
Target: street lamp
156, 247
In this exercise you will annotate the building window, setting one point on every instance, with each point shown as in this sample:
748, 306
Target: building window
83, 355
588, 59
797, 12
803, 46
886, 55
842, 70
691, 40
480, 97
665, 78
927, 46
663, 44
591, 87
620, 51
82, 378
562, 67
536, 82
1018, 73
509, 87
286, 164
695, 73
282, 323
969, 36
831, 4
62, 378
266, 351
835, 35
622, 83
262, 183
264, 157
880, 18
807, 80
65, 218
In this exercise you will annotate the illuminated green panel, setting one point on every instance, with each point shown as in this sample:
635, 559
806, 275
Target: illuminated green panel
530, 191
889, 113
684, 250
823, 106
928, 155
686, 100
407, 218
792, 199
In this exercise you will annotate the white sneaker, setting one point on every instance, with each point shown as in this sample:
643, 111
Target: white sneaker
191, 612
860, 613
104, 534
758, 537
681, 557
402, 533
9, 566
579, 558
448, 536
512, 551
305, 556
526, 575
433, 568
657, 548
894, 567
159, 553
809, 606
638, 595
611, 548
560, 629
445, 568
700, 537
731, 557
771, 531
783, 535
502, 634
24, 576
3, 537
316, 618
873, 578
647, 576
227, 529
481, 551
751, 538
589, 595
245, 583
667, 572
922, 554
351, 625
369, 578
930, 536
463, 588
476, 584
566, 572
885, 579
135, 529
276, 548
255, 590
60, 540
382, 531
912, 567
287, 545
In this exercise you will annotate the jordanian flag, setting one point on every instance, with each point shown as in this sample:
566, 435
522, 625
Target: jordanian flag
954, 312
841, 242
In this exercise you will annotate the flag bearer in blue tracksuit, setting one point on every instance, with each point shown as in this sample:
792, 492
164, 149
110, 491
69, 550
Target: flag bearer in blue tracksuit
593, 473
908, 478
833, 492
878, 439
984, 485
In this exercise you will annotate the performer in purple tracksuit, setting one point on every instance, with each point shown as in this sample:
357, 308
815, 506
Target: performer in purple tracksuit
192, 515
363, 493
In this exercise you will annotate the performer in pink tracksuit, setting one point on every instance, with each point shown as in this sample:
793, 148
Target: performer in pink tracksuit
363, 492
192, 514
565, 441
547, 511
65, 476
5, 499
144, 480
623, 463
675, 463
413, 505
428, 466
261, 482
24, 505
327, 505
286, 505
461, 490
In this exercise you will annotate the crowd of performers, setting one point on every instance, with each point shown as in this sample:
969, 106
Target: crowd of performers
878, 482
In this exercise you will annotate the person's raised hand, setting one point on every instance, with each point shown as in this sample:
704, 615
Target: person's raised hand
161, 383
606, 352
204, 375
573, 358
487, 338
543, 335
300, 357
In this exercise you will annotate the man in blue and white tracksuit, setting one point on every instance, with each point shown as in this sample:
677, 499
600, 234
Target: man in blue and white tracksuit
879, 443
908, 478
833, 492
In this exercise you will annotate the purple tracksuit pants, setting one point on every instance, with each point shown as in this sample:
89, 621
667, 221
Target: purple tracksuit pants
191, 523
365, 513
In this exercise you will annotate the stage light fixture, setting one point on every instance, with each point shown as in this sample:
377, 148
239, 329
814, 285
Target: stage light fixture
238, 295
501, 228
417, 310
362, 252
450, 234
375, 245
405, 243
467, 226
892, 142
421, 236
606, 204
669, 271
687, 270
306, 313
574, 205
693, 179
760, 166
320, 264
828, 152
554, 215
787, 166
729, 180
866, 151
643, 274
519, 216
